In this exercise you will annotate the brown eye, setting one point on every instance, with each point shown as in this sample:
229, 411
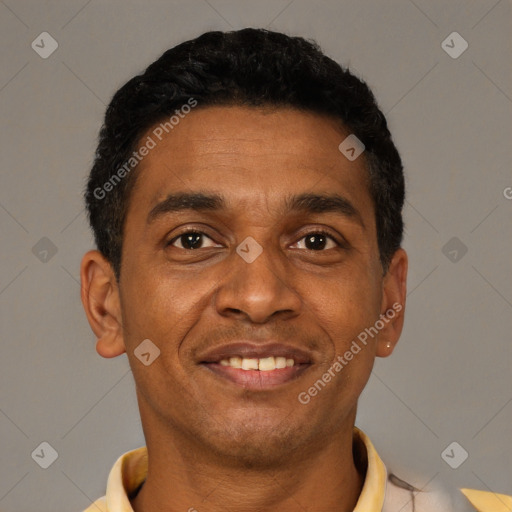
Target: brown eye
190, 240
318, 241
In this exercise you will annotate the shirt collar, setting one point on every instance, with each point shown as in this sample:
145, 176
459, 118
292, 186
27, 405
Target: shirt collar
131, 469
127, 474
374, 487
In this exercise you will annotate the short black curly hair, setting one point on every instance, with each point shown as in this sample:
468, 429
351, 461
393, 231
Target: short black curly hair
249, 67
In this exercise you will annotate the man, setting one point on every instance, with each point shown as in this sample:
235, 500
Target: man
246, 203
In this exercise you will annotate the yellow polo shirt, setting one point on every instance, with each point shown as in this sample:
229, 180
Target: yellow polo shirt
378, 493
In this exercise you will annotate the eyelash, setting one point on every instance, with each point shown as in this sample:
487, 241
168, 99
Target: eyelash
316, 232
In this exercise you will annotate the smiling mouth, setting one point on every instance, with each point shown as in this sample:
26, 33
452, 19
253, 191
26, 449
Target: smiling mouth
256, 366
257, 373
263, 364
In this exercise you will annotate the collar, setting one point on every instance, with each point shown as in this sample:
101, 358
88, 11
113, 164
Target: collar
130, 471
374, 487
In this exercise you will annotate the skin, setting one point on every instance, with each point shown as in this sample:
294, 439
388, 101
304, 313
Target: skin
212, 444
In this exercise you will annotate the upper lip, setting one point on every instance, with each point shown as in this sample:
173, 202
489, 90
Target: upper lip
252, 351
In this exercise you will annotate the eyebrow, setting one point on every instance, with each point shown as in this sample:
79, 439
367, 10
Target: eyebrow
305, 203
196, 201
324, 203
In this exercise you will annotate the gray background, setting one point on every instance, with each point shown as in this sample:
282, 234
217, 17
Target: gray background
450, 377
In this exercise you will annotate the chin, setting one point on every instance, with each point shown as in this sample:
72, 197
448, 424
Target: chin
253, 446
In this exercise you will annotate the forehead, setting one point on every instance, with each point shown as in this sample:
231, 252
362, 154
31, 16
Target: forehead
249, 155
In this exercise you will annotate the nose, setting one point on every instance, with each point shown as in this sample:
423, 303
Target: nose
259, 290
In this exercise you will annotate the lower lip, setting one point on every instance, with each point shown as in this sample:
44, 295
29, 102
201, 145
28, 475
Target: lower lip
256, 379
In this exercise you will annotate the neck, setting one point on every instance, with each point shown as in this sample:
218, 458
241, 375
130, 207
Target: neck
183, 476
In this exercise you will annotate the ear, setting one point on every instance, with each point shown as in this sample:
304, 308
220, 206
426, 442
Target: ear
100, 298
394, 291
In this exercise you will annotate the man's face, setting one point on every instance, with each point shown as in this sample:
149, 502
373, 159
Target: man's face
200, 301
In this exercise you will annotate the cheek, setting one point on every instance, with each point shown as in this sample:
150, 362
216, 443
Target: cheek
351, 305
347, 304
164, 312
158, 309
166, 309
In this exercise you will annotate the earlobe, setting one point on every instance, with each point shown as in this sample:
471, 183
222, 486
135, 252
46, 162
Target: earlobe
393, 303
101, 302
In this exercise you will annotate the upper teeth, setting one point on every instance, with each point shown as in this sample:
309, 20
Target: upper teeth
263, 364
